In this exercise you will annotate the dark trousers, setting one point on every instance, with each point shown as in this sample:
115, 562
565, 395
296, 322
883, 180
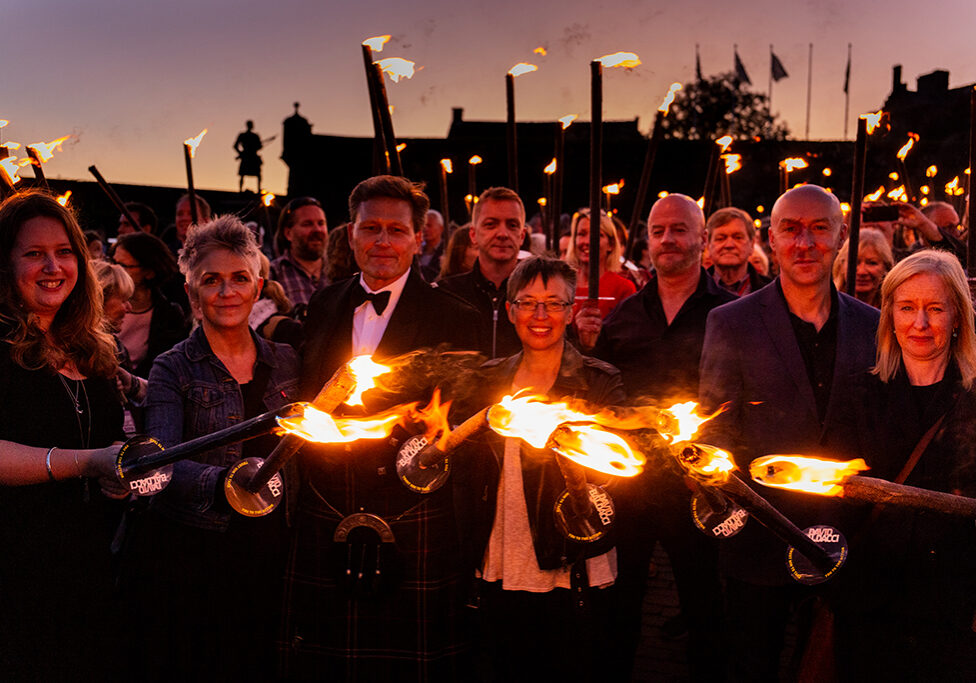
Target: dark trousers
667, 519
536, 637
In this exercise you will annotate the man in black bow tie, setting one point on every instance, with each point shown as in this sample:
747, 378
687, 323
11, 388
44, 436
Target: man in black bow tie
362, 609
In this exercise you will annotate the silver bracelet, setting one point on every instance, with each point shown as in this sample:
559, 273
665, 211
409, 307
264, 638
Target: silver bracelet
47, 462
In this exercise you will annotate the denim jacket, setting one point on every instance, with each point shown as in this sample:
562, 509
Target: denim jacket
191, 394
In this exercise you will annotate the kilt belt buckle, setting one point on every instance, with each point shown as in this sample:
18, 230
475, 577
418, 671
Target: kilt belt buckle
370, 552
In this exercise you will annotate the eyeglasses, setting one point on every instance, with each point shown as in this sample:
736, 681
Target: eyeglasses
531, 305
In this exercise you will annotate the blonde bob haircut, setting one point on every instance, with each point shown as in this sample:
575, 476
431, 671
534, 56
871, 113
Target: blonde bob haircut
611, 264
962, 348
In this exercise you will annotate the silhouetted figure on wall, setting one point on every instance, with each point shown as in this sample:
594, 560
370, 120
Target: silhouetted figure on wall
295, 145
247, 146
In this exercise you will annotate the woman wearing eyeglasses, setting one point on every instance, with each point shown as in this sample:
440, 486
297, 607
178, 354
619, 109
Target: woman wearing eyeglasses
542, 595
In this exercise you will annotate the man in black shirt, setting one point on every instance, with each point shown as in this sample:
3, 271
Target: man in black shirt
498, 228
781, 360
655, 338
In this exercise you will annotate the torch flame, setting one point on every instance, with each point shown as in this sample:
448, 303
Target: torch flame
447, 165
540, 51
873, 120
550, 168
531, 418
63, 198
724, 143
193, 143
801, 473
952, 187
598, 450
522, 68
402, 146
685, 421
701, 202
474, 160
434, 416
931, 171
45, 150
613, 188
899, 194
365, 371
3, 122
376, 43
662, 194
708, 463
320, 427
628, 60
874, 196
568, 120
397, 68
733, 162
669, 98
893, 175
541, 201
906, 148
10, 168
267, 198
793, 163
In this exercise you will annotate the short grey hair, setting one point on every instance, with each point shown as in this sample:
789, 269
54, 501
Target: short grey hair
223, 232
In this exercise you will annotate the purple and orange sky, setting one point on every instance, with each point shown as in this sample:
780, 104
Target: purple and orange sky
131, 80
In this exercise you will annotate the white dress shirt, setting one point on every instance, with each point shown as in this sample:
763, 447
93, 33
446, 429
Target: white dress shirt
367, 326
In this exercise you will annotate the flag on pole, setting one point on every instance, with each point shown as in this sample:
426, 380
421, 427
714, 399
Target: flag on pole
847, 74
698, 73
776, 69
740, 70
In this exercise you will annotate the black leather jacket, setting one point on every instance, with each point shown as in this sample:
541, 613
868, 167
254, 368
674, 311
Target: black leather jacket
477, 465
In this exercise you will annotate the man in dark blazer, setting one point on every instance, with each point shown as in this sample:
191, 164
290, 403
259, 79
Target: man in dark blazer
782, 359
386, 604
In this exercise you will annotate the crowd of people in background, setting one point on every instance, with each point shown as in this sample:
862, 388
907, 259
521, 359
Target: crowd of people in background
178, 333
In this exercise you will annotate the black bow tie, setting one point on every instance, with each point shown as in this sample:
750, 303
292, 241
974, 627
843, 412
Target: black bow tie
379, 299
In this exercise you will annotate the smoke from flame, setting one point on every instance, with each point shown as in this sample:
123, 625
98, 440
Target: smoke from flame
802, 473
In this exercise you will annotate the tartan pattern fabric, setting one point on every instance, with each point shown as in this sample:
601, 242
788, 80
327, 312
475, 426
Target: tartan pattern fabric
298, 286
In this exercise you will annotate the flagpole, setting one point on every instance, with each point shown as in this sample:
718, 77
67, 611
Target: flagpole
770, 99
809, 88
847, 91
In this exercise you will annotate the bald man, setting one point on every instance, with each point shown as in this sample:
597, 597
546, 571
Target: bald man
655, 338
782, 361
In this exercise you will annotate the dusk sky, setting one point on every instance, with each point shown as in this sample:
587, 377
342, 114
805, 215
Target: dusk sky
130, 80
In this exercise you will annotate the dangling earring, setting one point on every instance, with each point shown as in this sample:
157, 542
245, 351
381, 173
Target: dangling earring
955, 333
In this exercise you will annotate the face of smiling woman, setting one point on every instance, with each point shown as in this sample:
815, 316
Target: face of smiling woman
538, 328
45, 267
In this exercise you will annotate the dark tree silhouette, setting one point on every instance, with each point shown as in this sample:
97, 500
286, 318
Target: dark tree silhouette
717, 106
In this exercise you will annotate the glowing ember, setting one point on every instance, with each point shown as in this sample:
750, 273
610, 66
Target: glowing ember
267, 198
63, 198
522, 68
874, 196
45, 150
365, 371
568, 120
899, 194
793, 163
873, 120
931, 171
613, 188
402, 146
376, 43
193, 143
801, 473
724, 143
550, 167
474, 160
11, 169
598, 450
628, 60
906, 148
540, 51
669, 98
320, 427
733, 162
397, 68
447, 165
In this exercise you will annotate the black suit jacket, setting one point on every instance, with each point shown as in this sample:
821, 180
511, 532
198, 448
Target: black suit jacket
751, 362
